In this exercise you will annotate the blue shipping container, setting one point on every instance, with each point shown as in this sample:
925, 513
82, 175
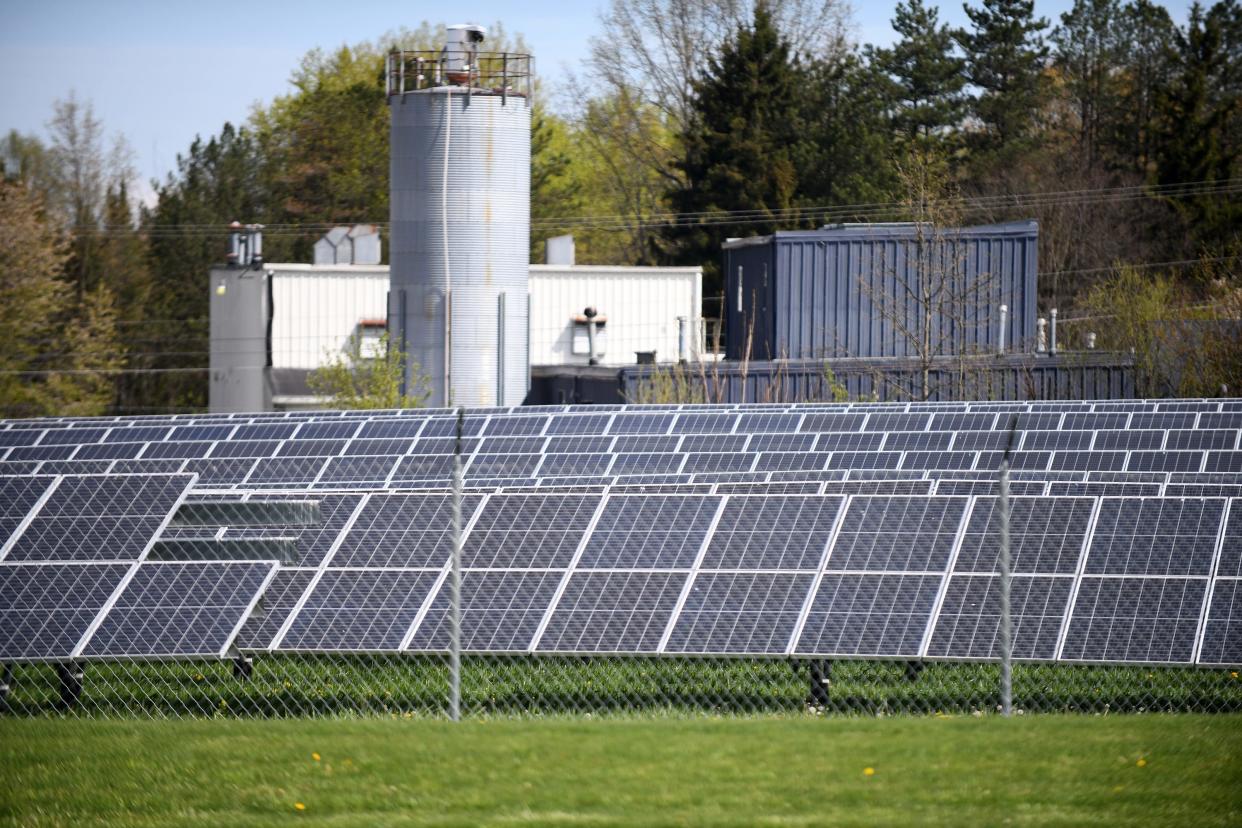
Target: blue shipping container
881, 290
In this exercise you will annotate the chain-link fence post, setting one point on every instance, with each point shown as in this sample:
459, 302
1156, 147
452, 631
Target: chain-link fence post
1006, 579
455, 597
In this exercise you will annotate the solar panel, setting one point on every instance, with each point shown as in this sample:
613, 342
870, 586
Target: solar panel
179, 610
1222, 630
401, 531
650, 532
528, 531
99, 518
773, 533
881, 533
500, 612
1141, 620
968, 623
739, 612
274, 608
358, 610
1155, 536
869, 614
18, 495
1046, 535
612, 612
45, 609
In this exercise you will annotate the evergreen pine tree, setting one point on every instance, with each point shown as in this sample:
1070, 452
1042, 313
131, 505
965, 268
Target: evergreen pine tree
925, 76
1005, 56
1089, 48
739, 144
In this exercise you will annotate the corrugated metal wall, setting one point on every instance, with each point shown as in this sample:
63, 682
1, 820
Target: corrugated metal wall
316, 310
1077, 376
873, 290
640, 304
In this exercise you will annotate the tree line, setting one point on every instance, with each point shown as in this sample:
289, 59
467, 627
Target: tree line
691, 121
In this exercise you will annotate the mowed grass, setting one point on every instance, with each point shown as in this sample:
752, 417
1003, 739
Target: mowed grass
1048, 769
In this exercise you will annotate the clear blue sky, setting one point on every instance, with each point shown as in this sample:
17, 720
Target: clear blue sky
162, 72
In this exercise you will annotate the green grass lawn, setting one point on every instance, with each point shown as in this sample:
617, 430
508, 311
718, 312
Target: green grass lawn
1059, 769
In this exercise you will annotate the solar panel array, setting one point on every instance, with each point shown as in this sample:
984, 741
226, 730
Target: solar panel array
856, 530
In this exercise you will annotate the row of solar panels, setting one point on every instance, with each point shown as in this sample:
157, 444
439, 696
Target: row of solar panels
626, 424
785, 575
980, 406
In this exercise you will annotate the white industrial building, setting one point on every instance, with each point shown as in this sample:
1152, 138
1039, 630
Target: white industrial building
272, 325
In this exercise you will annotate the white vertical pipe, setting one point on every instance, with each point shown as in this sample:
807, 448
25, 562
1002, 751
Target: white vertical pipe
448, 278
1004, 319
1052, 332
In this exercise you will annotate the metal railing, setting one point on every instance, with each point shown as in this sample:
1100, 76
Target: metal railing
502, 74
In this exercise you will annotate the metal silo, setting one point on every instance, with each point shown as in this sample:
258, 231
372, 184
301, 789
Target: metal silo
460, 210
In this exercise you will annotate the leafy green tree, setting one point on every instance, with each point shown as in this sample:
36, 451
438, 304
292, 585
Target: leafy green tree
361, 378
1005, 56
1089, 49
924, 75
1146, 66
1198, 113
554, 189
60, 353
738, 144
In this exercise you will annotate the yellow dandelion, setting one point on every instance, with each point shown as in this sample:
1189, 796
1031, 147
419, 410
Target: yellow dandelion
868, 771
315, 756
1233, 674
299, 806
1141, 763
1118, 789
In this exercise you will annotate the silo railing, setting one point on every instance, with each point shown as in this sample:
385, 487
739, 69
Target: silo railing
503, 74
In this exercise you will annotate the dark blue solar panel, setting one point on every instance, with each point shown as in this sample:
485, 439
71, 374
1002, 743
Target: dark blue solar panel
75, 466
1205, 439
1046, 535
714, 442
72, 436
245, 448
613, 612
917, 440
832, 422
314, 542
779, 442
196, 433
1088, 461
956, 421
739, 612
768, 423
1224, 461
716, 423
982, 440
1127, 440
515, 426
1143, 620
425, 467
880, 421
529, 531
1163, 421
641, 424
223, 472
574, 464
179, 609
579, 424
346, 472
311, 448
789, 532
645, 443
18, 495
137, 434
99, 518
378, 448
1231, 547
402, 530
443, 445
511, 445
108, 451
264, 431
359, 611
864, 460
41, 452
897, 533
21, 437
391, 429
1033, 421
328, 430
293, 471
274, 608
647, 463
938, 460
968, 625
1056, 440
718, 462
846, 441
46, 609
1165, 461
503, 465
1222, 630
869, 615
792, 460
158, 451
1094, 421
500, 612
636, 531
1155, 537
585, 445
1226, 419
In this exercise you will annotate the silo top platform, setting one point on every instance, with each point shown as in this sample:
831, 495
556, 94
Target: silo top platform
499, 74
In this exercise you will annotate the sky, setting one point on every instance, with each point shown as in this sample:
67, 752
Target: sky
163, 72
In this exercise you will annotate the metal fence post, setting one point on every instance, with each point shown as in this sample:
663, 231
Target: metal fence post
455, 630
